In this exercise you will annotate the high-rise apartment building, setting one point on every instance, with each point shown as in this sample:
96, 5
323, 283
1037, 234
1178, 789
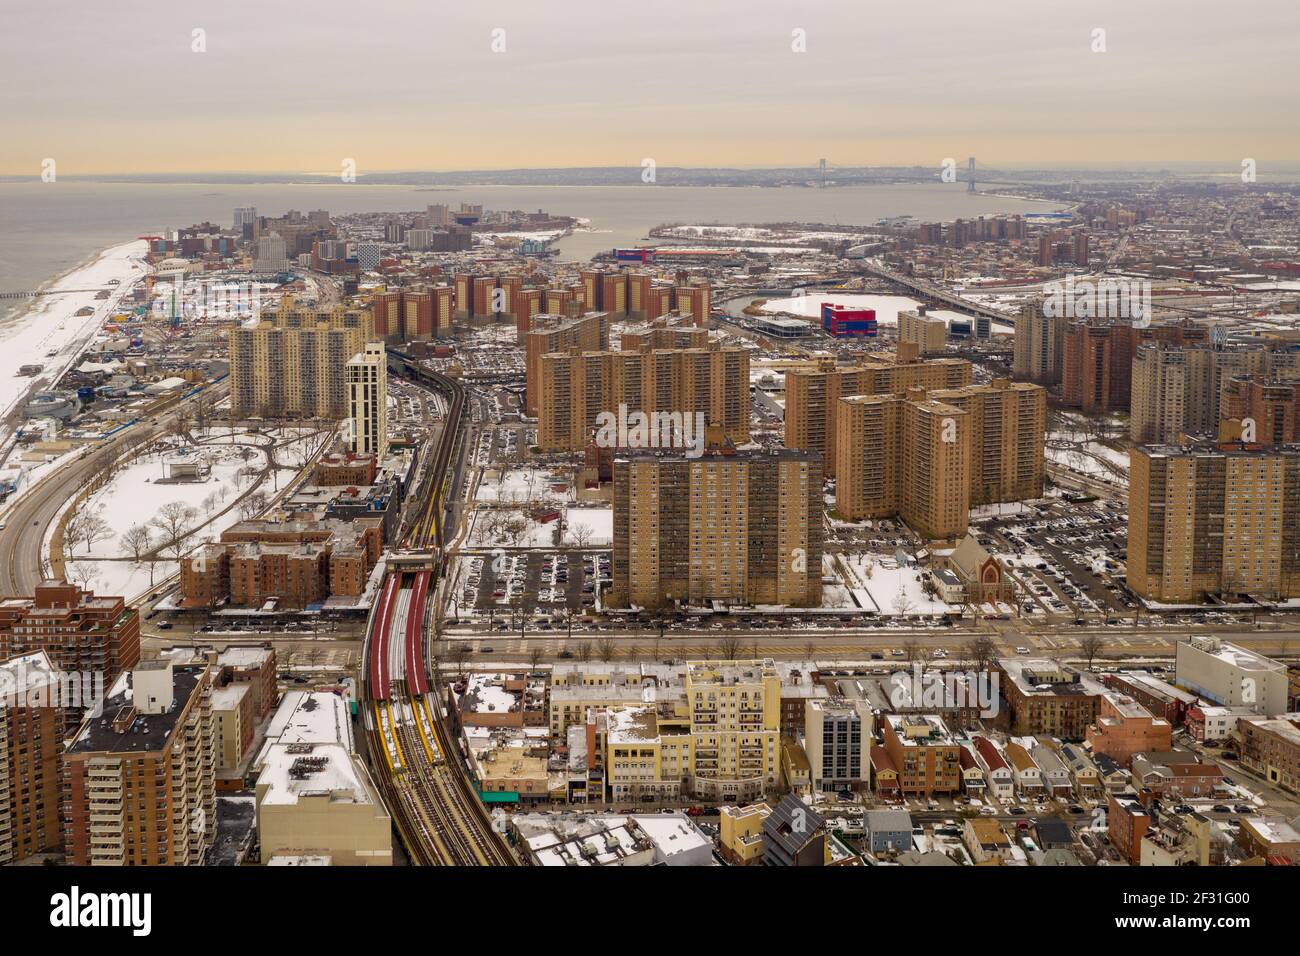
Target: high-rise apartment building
414, 315
1271, 409
1097, 374
1039, 349
294, 362
927, 333
907, 458
552, 333
368, 256
1177, 391
928, 457
139, 784
1008, 426
368, 400
1214, 520
577, 387
743, 528
95, 637
838, 738
271, 254
31, 735
244, 216
662, 334
735, 709
812, 396
693, 300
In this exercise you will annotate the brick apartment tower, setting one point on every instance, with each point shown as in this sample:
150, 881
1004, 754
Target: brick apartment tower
139, 785
81, 632
735, 527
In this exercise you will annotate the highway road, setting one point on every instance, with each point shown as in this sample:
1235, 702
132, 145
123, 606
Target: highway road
29, 518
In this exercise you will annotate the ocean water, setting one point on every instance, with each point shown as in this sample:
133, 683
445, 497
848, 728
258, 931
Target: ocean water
49, 228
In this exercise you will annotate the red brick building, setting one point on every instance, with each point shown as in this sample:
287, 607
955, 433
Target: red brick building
1098, 365
296, 562
82, 632
1127, 823
30, 741
344, 469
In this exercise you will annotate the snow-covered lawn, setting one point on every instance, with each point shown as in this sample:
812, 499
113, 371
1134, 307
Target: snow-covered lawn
522, 486
513, 528
598, 523
138, 494
878, 581
139, 491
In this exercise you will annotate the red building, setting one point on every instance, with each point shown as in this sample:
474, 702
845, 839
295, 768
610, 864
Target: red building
1127, 824
839, 320
81, 632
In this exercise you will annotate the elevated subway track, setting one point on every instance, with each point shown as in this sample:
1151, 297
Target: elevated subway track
435, 807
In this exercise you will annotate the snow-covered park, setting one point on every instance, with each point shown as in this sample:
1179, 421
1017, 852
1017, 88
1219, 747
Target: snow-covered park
131, 531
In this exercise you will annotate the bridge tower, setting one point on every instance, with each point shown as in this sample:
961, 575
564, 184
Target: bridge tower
970, 175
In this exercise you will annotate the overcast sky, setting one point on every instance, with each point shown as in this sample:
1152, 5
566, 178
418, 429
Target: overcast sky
113, 85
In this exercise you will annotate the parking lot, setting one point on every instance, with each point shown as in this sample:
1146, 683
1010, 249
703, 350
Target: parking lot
544, 587
1067, 556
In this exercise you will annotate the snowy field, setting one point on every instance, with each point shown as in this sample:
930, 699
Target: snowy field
876, 582
236, 485
524, 486
514, 528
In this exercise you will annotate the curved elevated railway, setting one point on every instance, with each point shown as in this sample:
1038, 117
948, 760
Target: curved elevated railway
438, 814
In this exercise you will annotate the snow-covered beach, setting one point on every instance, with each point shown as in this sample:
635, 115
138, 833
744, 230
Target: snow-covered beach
50, 333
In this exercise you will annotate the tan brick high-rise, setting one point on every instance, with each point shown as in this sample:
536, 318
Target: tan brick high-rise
812, 396
743, 528
551, 333
928, 457
577, 387
1214, 520
1178, 391
294, 362
906, 458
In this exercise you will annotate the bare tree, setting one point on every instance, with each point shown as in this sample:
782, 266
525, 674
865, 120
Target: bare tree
180, 423
88, 528
729, 649
606, 649
584, 651
809, 651
137, 541
1091, 646
252, 504
581, 534
202, 411
912, 650
534, 656
82, 572
980, 651
902, 603
459, 651
173, 519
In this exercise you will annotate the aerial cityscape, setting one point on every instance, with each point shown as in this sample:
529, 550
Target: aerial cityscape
458, 471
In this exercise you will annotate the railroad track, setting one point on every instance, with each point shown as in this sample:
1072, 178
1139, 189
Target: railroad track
438, 814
